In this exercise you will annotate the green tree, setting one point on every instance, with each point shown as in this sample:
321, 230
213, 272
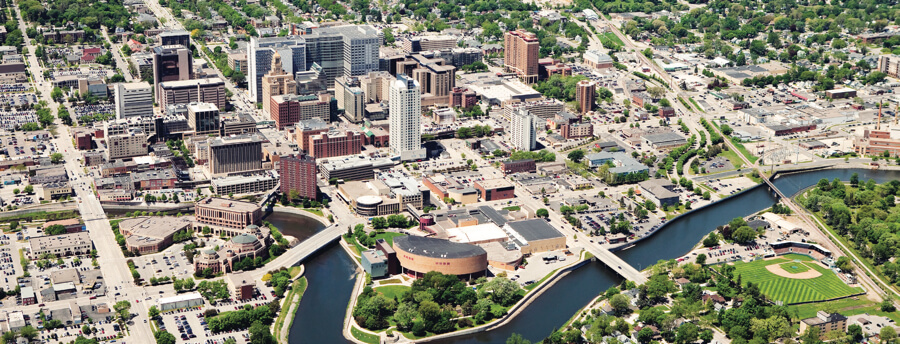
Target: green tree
56, 158
122, 309
29, 189
542, 213
576, 155
619, 303
516, 338
164, 337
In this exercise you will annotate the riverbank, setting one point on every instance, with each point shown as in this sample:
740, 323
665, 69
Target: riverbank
289, 306
291, 210
353, 332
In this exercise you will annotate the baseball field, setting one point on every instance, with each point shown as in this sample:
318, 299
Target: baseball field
794, 278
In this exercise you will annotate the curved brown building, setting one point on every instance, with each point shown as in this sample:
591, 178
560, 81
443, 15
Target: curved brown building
420, 255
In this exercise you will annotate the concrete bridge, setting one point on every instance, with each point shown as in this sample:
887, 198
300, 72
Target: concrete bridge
616, 264
303, 250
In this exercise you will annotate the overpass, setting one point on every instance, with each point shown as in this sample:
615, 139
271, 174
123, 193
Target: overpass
303, 250
617, 264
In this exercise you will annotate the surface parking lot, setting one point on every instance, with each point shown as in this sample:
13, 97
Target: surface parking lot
189, 326
171, 262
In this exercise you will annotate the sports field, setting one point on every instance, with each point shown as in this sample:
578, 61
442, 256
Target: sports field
792, 290
794, 267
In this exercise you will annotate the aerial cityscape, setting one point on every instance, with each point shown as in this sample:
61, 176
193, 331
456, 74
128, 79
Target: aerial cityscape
538, 171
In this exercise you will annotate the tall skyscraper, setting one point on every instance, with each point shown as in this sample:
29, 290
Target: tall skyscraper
260, 51
406, 119
585, 92
298, 176
276, 83
350, 97
523, 134
521, 49
134, 99
171, 63
349, 50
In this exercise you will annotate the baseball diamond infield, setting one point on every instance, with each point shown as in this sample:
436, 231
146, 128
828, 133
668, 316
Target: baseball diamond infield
815, 284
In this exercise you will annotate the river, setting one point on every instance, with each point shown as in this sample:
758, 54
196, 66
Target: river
321, 314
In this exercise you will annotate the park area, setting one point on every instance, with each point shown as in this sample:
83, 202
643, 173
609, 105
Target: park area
794, 278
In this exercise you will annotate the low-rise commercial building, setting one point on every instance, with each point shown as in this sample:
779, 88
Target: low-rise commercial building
660, 192
535, 236
518, 166
180, 301
60, 245
56, 190
495, 189
375, 263
826, 322
252, 243
355, 167
241, 285
151, 234
227, 213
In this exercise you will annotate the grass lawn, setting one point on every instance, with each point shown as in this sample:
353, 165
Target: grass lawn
846, 307
314, 211
294, 271
513, 208
614, 38
790, 290
363, 336
355, 245
794, 267
391, 281
744, 150
392, 291
388, 236
732, 156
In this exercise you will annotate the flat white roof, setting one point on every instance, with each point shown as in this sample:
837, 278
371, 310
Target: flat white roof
477, 233
179, 298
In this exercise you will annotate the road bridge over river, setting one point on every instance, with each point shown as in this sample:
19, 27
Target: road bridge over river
303, 250
617, 264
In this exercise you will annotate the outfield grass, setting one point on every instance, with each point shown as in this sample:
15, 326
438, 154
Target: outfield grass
788, 290
392, 291
794, 267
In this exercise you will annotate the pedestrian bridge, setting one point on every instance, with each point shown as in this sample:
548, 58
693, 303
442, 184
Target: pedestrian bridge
616, 264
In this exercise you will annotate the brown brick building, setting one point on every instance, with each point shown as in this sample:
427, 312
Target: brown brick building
420, 255
518, 166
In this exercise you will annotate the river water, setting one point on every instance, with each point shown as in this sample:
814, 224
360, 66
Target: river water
321, 314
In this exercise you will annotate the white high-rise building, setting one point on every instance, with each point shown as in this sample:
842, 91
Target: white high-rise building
134, 99
406, 119
523, 131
